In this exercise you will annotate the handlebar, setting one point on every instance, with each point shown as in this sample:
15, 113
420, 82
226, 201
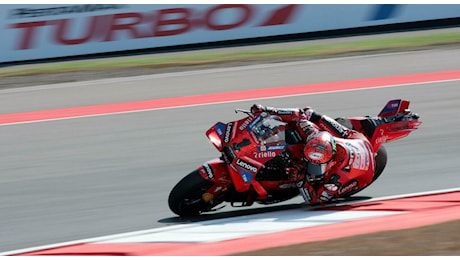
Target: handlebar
247, 112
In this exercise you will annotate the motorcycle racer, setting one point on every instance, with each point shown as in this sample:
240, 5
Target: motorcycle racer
274, 154
333, 160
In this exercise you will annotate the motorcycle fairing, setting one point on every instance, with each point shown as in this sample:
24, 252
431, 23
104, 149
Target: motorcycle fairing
394, 107
245, 160
214, 170
218, 172
399, 122
215, 134
392, 131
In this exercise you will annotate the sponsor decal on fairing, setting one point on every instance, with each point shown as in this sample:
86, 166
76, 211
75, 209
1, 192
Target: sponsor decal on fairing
392, 106
264, 148
246, 122
361, 153
247, 177
328, 123
208, 170
228, 132
256, 121
246, 165
219, 129
261, 155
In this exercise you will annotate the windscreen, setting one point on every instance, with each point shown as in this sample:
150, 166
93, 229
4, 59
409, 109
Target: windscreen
270, 130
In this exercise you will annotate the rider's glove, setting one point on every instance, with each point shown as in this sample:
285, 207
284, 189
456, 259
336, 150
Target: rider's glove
295, 173
311, 115
257, 108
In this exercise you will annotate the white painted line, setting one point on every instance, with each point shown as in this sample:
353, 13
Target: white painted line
144, 233
227, 102
424, 193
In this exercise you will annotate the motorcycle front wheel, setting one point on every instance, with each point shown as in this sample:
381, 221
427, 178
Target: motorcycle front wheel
186, 199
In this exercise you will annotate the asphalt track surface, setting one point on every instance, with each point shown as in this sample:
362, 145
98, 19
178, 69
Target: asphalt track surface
78, 178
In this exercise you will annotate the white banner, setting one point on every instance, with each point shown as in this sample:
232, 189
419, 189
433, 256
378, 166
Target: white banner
44, 31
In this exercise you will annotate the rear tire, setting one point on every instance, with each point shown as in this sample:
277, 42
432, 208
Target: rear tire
380, 162
185, 198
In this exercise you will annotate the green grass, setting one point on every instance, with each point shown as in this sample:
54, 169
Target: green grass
392, 44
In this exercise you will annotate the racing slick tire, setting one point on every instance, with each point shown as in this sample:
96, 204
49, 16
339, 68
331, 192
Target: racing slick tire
380, 162
185, 199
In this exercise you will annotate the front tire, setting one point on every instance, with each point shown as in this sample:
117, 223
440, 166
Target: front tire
185, 198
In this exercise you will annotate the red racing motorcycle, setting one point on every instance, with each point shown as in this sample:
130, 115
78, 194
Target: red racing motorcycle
254, 153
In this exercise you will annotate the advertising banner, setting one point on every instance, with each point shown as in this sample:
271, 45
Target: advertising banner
33, 31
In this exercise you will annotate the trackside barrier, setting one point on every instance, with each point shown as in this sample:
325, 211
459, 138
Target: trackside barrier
32, 32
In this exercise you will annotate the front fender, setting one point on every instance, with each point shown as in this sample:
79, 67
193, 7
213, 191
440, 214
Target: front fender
215, 170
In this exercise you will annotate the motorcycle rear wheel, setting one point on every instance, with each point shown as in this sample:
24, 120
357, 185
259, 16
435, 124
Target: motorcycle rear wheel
381, 162
185, 198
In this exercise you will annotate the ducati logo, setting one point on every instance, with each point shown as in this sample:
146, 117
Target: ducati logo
228, 132
209, 171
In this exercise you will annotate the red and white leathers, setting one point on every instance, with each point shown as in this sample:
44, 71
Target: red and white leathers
352, 166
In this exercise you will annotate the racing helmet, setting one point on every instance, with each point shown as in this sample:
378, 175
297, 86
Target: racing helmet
318, 152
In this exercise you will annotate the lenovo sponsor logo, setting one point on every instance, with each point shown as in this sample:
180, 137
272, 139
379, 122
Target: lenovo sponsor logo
353, 184
247, 166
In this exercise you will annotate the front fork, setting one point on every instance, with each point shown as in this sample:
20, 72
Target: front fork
215, 171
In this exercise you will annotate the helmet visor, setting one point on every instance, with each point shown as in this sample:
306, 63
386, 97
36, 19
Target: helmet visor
316, 170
